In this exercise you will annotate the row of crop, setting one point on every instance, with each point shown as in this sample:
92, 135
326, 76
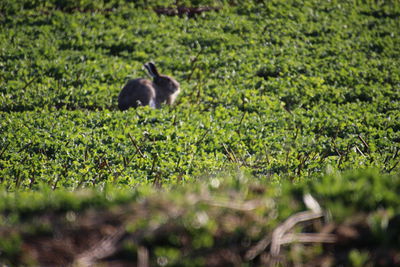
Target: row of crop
82, 60
280, 89
74, 148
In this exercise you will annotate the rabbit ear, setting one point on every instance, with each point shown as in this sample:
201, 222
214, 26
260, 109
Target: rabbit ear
153, 69
146, 65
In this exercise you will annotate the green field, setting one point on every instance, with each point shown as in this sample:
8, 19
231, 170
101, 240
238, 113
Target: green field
279, 98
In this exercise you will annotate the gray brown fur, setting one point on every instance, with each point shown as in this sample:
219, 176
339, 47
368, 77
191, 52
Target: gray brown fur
142, 92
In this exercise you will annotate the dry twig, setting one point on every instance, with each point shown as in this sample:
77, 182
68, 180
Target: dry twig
282, 235
143, 257
103, 249
280, 232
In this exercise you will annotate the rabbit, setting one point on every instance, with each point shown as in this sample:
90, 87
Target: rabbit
143, 92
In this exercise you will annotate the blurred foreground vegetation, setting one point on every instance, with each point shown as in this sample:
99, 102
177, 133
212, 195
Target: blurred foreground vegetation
222, 220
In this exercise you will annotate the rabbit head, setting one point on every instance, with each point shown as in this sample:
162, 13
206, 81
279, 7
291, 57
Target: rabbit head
163, 83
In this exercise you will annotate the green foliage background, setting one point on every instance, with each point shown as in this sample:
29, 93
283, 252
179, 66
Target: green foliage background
279, 89
284, 91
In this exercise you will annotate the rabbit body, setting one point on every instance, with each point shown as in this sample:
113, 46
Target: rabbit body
138, 92
142, 92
